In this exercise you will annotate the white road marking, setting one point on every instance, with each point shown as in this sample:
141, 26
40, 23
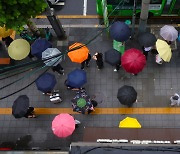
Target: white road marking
85, 8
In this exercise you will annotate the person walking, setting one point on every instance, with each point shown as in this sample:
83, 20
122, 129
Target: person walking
70, 87
30, 113
7, 40
59, 69
86, 62
146, 51
98, 57
175, 100
117, 67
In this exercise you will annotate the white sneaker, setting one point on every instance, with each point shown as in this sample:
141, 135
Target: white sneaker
77, 122
115, 70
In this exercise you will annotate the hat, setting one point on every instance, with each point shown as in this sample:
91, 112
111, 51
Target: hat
175, 97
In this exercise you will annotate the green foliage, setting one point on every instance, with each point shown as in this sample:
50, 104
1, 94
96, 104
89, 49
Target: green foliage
16, 13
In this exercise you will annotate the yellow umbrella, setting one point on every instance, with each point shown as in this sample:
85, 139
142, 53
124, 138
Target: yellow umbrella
5, 32
19, 49
164, 50
129, 122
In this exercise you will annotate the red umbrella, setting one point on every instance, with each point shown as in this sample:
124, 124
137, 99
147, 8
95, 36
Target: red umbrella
133, 61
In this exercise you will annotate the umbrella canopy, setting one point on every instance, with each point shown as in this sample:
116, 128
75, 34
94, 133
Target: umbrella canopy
63, 125
49, 53
39, 46
133, 61
147, 39
129, 122
20, 106
112, 57
120, 31
127, 95
19, 49
46, 82
77, 78
80, 54
164, 50
81, 102
169, 33
5, 32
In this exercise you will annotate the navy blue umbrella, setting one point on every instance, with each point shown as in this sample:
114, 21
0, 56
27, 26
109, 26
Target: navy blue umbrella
77, 78
39, 46
120, 31
46, 82
20, 106
112, 57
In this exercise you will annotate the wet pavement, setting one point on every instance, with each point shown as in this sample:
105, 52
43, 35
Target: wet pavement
154, 85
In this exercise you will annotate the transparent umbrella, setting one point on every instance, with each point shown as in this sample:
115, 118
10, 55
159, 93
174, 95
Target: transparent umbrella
19, 49
169, 33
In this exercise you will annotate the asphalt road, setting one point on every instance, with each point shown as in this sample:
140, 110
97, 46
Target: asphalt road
76, 7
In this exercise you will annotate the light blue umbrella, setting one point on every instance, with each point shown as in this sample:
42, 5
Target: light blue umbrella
51, 55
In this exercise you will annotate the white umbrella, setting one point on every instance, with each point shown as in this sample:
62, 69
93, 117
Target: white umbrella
169, 33
51, 52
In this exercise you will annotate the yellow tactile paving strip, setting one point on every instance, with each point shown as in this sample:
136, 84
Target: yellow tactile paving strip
71, 16
100, 111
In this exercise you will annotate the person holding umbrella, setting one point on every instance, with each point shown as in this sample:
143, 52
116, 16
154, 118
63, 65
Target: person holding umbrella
76, 79
30, 113
63, 125
169, 33
147, 40
113, 57
98, 57
21, 108
127, 95
59, 69
133, 61
86, 62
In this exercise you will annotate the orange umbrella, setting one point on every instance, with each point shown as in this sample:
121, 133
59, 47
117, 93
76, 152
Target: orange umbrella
5, 32
78, 55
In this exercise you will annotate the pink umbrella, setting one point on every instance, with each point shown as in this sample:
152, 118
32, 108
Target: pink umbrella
63, 125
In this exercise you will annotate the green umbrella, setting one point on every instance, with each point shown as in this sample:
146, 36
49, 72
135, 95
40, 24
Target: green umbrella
81, 102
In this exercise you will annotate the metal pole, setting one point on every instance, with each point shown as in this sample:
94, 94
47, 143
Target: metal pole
133, 19
144, 15
56, 24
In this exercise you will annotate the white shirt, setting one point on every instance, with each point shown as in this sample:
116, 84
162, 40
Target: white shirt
147, 48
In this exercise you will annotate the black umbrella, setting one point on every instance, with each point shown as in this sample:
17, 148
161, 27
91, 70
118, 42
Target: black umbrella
20, 106
147, 39
127, 95
112, 57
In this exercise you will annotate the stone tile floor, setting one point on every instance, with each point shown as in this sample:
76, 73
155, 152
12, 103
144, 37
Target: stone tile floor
155, 84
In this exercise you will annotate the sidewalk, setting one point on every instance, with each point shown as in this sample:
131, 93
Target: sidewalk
154, 85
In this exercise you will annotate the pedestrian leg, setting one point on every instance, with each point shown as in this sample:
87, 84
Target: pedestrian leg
145, 54
82, 65
88, 60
